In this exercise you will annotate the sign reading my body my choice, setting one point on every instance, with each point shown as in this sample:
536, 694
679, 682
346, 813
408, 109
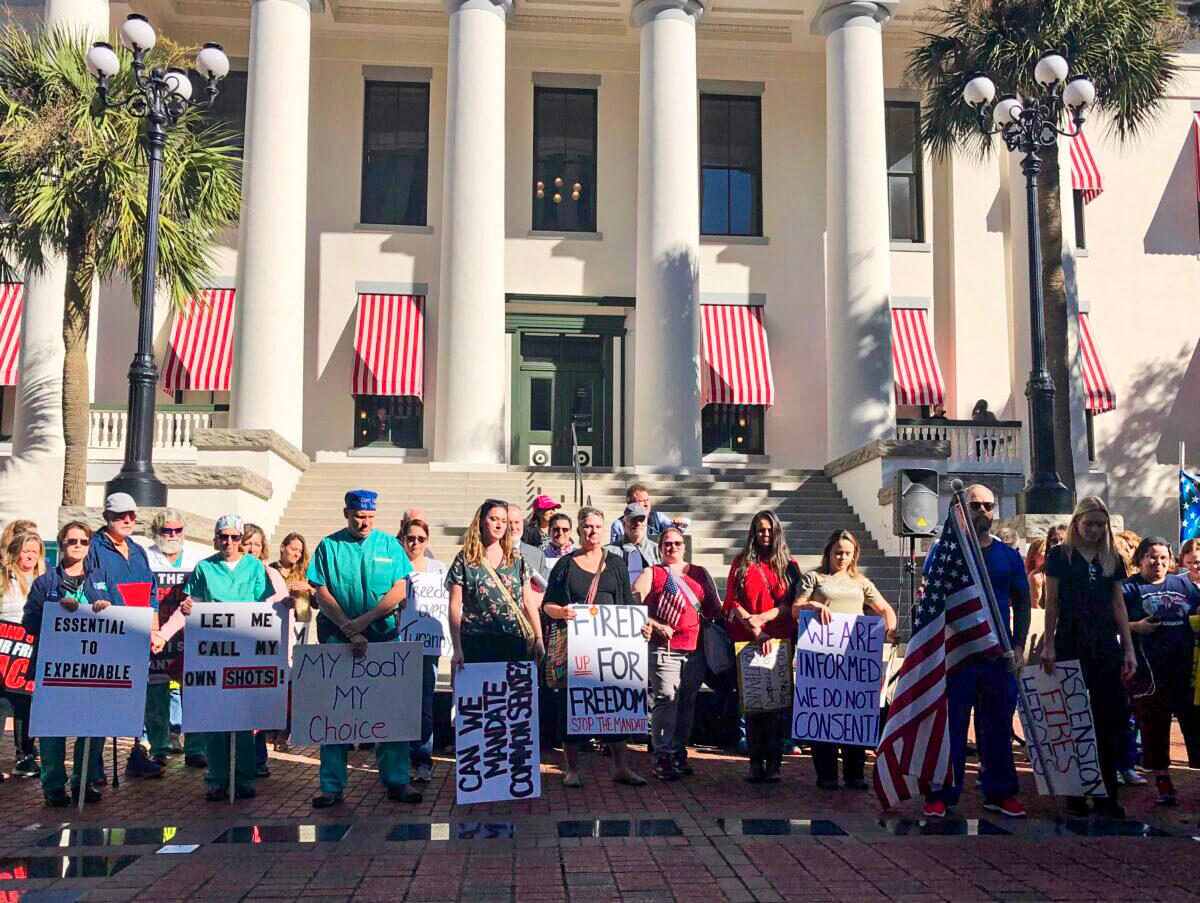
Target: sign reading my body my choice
607, 665
839, 676
235, 667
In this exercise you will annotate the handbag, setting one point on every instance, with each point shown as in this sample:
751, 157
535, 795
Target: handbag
718, 647
556, 649
518, 612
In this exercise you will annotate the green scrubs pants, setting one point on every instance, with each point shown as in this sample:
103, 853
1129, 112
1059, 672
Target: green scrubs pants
218, 760
390, 758
158, 718
54, 762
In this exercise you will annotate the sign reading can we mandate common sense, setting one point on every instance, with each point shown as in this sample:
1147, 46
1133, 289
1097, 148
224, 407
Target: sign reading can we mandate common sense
91, 672
498, 754
235, 667
607, 665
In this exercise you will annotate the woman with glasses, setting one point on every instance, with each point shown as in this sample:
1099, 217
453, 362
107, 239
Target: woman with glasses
415, 536
588, 576
560, 538
70, 584
24, 562
1085, 616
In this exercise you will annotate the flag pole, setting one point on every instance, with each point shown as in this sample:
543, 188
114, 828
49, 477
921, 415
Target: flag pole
968, 530
1182, 471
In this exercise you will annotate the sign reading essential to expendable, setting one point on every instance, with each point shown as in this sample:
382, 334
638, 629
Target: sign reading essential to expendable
235, 667
1062, 738
428, 621
839, 675
498, 754
337, 698
91, 672
764, 681
16, 658
607, 666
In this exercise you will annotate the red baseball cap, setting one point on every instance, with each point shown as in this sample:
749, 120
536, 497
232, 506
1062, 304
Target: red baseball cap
544, 503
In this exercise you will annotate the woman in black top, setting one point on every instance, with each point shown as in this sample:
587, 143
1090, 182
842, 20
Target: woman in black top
570, 584
1085, 614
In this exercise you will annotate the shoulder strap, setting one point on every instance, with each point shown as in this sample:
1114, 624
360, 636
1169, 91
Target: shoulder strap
595, 584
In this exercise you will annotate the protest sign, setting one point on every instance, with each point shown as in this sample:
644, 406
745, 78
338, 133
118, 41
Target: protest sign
337, 698
839, 674
764, 681
607, 664
426, 619
496, 732
1062, 738
235, 667
16, 657
91, 672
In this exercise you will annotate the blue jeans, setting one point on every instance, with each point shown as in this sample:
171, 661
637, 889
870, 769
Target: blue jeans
176, 710
421, 751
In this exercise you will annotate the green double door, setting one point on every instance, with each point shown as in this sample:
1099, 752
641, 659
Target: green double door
561, 379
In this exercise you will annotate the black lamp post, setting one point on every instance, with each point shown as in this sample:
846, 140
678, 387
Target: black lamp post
161, 97
1028, 125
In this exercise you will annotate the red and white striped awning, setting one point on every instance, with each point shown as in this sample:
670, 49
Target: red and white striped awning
1101, 396
12, 296
917, 374
389, 346
737, 361
200, 350
1085, 174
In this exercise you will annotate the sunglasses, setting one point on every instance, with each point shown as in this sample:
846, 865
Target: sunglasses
412, 537
981, 506
229, 537
124, 515
77, 542
673, 544
170, 531
560, 529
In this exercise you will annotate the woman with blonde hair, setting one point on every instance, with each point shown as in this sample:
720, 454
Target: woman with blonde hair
24, 562
1189, 560
1085, 615
254, 543
12, 528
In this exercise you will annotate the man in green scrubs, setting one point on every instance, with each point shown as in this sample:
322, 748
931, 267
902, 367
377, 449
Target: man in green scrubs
359, 578
228, 576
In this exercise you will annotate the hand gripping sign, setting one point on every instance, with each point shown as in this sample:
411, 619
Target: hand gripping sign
839, 676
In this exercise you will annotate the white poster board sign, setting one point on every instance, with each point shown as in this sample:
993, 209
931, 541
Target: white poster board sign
607, 665
338, 699
498, 753
92, 671
839, 675
428, 620
235, 667
1062, 737
764, 681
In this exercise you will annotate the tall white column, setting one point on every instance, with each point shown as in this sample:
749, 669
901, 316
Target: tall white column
272, 234
471, 390
861, 396
666, 393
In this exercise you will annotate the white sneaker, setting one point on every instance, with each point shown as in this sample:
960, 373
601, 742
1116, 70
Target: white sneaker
1131, 777
424, 773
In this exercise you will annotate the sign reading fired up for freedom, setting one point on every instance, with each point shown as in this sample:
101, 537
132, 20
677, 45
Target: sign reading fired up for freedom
607, 666
91, 672
839, 675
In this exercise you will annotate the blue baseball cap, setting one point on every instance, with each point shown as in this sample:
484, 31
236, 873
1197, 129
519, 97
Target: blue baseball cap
361, 499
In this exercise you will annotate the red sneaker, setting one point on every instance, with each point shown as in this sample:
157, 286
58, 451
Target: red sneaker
934, 809
1011, 807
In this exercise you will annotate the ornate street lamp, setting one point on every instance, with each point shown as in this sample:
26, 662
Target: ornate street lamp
1029, 124
161, 97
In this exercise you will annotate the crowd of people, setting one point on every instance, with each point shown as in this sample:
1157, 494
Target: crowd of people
1126, 607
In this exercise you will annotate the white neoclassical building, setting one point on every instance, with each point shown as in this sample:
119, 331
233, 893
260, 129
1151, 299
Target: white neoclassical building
706, 226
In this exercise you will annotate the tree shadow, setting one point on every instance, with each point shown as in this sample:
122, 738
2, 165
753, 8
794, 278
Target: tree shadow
1173, 229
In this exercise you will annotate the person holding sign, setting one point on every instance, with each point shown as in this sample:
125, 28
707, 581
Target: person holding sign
756, 604
24, 561
70, 584
678, 596
420, 752
358, 577
837, 586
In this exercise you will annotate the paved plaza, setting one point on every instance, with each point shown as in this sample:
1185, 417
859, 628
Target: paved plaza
708, 838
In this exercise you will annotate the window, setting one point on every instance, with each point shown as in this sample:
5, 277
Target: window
229, 109
905, 197
564, 159
395, 166
730, 165
732, 428
392, 421
1080, 230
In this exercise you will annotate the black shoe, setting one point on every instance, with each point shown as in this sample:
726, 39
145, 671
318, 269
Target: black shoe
57, 799
827, 783
27, 767
1077, 807
325, 800
160, 761
405, 794
140, 766
245, 793
1109, 809
216, 794
90, 795
757, 773
664, 769
679, 762
195, 761
100, 781
857, 784
262, 771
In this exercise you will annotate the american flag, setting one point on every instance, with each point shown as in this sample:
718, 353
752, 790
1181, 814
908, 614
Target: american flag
671, 602
1189, 507
951, 627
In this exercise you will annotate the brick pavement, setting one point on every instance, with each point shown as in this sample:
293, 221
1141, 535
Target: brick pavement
709, 838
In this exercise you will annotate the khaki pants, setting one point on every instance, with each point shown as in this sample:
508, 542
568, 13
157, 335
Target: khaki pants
675, 679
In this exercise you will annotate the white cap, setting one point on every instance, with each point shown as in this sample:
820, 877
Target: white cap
119, 503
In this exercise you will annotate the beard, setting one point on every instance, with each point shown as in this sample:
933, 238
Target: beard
169, 546
982, 524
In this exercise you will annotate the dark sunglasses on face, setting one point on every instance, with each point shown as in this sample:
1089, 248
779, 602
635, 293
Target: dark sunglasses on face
560, 529
412, 537
229, 537
675, 544
127, 515
981, 506
170, 531
77, 542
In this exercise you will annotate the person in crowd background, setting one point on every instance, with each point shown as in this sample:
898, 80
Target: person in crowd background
70, 584
561, 542
1159, 606
413, 513
254, 543
636, 548
757, 591
656, 521
1125, 544
533, 555
1189, 560
292, 565
12, 528
836, 587
537, 531
588, 576
1035, 562
679, 597
1086, 619
24, 562
415, 537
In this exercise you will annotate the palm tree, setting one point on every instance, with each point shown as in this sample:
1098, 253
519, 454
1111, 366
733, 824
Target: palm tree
73, 182
1126, 47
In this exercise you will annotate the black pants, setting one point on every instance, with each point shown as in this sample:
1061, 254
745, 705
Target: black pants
764, 737
21, 740
1172, 697
1110, 711
825, 759
493, 647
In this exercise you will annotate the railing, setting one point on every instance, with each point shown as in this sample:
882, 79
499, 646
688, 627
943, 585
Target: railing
173, 427
974, 446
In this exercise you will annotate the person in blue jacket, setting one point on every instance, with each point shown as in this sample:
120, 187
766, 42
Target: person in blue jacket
71, 584
132, 582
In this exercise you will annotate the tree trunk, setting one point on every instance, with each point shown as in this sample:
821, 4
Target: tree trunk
1054, 290
81, 271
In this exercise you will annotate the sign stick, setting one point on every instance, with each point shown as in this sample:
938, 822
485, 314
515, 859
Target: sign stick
116, 781
232, 765
83, 777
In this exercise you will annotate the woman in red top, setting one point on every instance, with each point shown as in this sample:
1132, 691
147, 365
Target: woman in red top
756, 604
679, 596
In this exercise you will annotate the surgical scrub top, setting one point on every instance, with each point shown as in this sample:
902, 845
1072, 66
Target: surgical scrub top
358, 573
214, 581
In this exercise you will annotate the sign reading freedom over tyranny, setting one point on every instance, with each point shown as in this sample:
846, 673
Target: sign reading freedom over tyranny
607, 665
839, 674
16, 658
91, 672
337, 698
1062, 738
235, 667
496, 732
428, 622
764, 681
